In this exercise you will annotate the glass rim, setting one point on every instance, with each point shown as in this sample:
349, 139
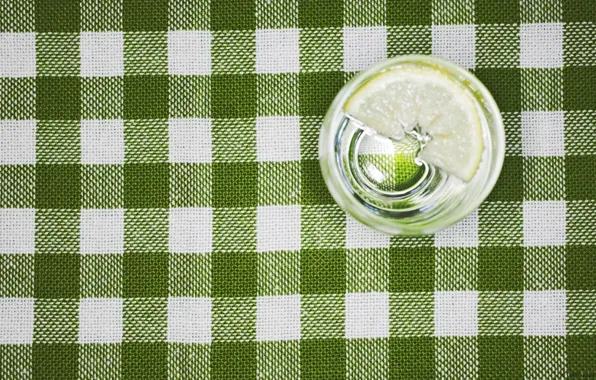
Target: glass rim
342, 195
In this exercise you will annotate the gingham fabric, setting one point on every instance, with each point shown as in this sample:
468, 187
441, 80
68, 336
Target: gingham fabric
163, 214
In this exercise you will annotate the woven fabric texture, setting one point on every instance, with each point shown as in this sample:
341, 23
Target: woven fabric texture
163, 214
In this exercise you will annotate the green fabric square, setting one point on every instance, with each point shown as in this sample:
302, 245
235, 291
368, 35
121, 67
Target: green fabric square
579, 182
101, 276
190, 96
101, 16
456, 269
145, 15
540, 11
17, 276
103, 186
276, 94
58, 142
235, 229
146, 141
581, 356
498, 46
575, 37
320, 14
234, 140
364, 13
501, 313
57, 275
17, 359
146, 97
100, 361
233, 96
403, 40
313, 188
58, 186
235, 184
145, 320
412, 358
500, 268
501, 357
146, 53
580, 261
17, 98
409, 12
56, 321
367, 270
317, 91
412, 269
234, 360
190, 275
544, 357
102, 98
189, 361
580, 87
504, 85
58, 98
234, 319
55, 361
279, 360
310, 128
144, 361
234, 52
278, 273
234, 274
145, 274
581, 222
189, 15
455, 12
542, 90
323, 359
146, 186
322, 316
497, 12
501, 224
57, 231
279, 183
579, 11
323, 227
513, 133
146, 230
510, 186
322, 271
544, 178
321, 50
412, 314
233, 14
17, 186
57, 15
22, 16
543, 269
57, 54
190, 185
277, 14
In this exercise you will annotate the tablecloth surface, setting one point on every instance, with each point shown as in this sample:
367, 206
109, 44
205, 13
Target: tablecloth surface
163, 214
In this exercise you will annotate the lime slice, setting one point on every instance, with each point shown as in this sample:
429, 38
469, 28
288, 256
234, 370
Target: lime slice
399, 100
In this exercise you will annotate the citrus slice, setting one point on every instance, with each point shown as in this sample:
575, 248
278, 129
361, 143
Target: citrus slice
399, 100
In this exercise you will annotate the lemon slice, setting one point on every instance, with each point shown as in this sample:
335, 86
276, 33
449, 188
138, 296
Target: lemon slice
398, 100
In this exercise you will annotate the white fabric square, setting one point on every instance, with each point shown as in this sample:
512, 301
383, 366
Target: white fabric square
102, 231
190, 140
278, 318
189, 52
191, 230
278, 138
17, 142
360, 236
543, 133
462, 234
278, 51
17, 54
545, 313
17, 230
102, 54
102, 142
364, 47
455, 43
278, 228
544, 223
367, 315
100, 320
16, 320
456, 313
541, 45
189, 320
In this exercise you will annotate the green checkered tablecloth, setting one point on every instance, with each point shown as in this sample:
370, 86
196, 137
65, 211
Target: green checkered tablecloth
163, 214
